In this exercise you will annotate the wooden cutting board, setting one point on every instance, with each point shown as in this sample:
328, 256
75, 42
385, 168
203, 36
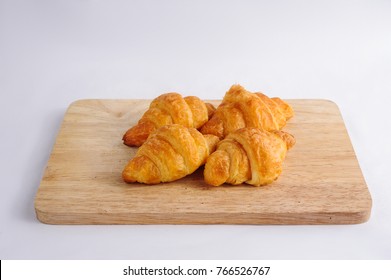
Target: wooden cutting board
321, 182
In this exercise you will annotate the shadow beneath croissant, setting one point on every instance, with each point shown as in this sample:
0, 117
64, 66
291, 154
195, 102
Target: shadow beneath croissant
193, 181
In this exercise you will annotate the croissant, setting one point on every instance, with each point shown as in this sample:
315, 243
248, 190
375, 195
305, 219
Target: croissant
241, 108
170, 153
248, 155
169, 108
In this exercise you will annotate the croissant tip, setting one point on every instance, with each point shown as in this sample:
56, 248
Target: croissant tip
130, 142
288, 138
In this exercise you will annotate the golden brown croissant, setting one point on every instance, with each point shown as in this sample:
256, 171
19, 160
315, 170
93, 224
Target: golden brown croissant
170, 153
169, 108
248, 155
241, 108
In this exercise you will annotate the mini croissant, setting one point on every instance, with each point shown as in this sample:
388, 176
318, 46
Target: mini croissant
169, 108
241, 108
170, 153
248, 155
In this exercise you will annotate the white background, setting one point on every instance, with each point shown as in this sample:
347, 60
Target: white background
55, 52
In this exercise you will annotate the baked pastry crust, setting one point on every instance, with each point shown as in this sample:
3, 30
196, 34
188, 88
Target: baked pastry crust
171, 152
241, 108
169, 108
249, 155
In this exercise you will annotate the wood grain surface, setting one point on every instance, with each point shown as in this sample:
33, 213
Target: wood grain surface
321, 182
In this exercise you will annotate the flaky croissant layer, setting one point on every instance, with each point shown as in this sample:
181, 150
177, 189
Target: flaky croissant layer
241, 108
169, 108
249, 155
171, 152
